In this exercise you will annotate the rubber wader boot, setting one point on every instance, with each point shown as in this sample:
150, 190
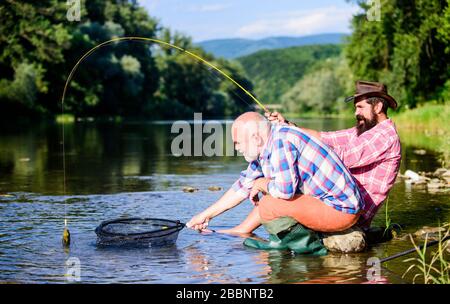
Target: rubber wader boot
287, 233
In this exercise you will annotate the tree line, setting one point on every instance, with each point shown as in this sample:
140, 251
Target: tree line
39, 46
408, 49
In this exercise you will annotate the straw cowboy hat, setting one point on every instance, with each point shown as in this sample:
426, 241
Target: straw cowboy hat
369, 89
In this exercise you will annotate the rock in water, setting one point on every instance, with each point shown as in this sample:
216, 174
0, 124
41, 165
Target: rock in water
347, 241
420, 152
214, 188
435, 184
412, 175
189, 189
440, 172
432, 233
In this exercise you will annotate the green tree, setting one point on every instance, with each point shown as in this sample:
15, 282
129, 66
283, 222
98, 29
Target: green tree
32, 40
274, 72
408, 49
320, 91
39, 47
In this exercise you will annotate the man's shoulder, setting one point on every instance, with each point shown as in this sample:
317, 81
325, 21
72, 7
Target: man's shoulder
390, 130
385, 131
290, 134
286, 131
387, 134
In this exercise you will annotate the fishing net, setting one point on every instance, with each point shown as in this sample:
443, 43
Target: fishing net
138, 231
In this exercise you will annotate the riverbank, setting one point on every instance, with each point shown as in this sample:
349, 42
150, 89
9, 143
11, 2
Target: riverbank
426, 127
429, 118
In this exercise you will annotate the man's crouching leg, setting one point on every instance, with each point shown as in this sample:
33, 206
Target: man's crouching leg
340, 234
252, 222
285, 232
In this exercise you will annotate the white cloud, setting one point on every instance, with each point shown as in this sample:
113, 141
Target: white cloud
297, 23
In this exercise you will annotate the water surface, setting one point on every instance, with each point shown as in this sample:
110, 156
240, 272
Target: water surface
117, 170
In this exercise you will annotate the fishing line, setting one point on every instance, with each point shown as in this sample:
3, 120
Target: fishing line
144, 39
139, 39
212, 74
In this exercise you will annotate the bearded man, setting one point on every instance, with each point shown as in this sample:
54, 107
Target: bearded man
371, 150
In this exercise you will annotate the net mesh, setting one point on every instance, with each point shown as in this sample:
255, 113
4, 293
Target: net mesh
136, 226
138, 231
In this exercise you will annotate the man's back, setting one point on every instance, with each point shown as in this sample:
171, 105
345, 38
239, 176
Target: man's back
299, 163
373, 159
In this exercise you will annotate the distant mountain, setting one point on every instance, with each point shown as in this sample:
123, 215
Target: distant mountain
274, 72
233, 48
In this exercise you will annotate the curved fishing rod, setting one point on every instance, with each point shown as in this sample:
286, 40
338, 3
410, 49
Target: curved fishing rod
66, 234
164, 43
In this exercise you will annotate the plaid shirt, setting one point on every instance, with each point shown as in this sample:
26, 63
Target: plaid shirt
297, 163
373, 159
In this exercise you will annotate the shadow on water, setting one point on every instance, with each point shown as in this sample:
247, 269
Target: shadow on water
124, 170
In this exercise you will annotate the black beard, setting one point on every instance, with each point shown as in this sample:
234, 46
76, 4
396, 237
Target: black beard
366, 125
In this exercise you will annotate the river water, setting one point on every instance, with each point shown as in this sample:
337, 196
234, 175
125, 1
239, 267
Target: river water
127, 170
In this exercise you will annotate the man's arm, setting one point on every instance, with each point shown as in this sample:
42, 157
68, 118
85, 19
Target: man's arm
228, 201
233, 197
278, 118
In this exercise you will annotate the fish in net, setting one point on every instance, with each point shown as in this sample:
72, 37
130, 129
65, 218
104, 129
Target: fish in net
138, 231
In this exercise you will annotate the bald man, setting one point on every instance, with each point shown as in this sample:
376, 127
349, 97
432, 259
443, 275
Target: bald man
298, 175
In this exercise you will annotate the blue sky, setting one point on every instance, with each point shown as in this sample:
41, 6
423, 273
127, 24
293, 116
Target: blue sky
254, 19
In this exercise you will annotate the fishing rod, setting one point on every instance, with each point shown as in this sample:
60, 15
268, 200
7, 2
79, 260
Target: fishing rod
164, 43
429, 244
66, 233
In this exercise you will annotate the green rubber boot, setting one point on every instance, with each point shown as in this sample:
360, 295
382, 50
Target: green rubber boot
274, 243
287, 233
304, 241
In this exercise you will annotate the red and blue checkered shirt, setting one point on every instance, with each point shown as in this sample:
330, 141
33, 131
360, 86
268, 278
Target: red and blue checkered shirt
297, 163
373, 158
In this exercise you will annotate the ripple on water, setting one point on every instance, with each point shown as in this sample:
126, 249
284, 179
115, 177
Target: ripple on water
31, 251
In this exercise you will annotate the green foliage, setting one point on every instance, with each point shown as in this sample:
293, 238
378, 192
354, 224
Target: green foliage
193, 86
408, 49
39, 46
274, 72
20, 93
425, 127
433, 267
321, 90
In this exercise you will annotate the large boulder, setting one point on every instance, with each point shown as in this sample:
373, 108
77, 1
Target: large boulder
348, 241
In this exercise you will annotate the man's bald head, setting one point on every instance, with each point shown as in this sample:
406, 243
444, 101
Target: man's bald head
250, 131
250, 121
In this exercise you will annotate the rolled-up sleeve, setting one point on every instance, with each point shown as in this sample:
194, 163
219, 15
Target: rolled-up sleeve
285, 177
245, 182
